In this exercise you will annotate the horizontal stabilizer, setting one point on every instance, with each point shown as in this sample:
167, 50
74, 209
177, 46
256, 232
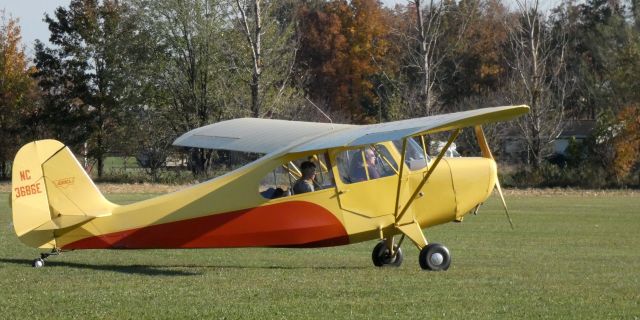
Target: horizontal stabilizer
68, 221
63, 222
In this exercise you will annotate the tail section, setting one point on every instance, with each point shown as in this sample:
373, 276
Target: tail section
51, 191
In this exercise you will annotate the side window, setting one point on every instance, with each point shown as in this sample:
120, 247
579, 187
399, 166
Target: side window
367, 163
276, 183
307, 174
415, 156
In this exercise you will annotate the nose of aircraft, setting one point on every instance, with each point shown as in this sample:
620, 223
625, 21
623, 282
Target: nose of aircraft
473, 180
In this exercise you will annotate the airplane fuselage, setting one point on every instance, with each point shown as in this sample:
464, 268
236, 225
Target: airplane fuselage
228, 211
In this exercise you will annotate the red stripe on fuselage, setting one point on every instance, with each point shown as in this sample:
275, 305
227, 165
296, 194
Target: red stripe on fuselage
288, 224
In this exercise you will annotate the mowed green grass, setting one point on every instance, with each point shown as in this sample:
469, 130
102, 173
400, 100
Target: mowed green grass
570, 257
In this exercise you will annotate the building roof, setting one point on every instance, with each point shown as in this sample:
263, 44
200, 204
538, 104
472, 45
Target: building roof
577, 128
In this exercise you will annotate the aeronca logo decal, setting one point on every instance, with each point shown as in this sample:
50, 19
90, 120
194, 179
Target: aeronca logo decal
64, 182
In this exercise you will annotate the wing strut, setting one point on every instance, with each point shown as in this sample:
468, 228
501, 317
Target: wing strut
486, 152
411, 228
453, 137
400, 173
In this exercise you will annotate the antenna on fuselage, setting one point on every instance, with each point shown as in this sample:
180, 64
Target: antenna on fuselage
322, 112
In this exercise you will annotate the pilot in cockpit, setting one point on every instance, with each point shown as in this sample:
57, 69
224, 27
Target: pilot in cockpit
306, 181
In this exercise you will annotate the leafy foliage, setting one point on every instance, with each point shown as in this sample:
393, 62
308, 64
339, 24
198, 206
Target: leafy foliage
343, 44
84, 76
627, 143
171, 66
17, 92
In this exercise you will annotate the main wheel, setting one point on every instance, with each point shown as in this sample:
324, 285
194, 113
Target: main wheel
435, 257
382, 257
37, 263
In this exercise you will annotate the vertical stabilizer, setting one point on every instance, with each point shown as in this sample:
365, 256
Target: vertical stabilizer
51, 191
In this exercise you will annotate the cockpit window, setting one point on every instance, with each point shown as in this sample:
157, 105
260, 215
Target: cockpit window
307, 174
367, 163
414, 157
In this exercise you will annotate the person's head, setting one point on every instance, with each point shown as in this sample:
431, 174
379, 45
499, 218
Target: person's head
308, 169
370, 157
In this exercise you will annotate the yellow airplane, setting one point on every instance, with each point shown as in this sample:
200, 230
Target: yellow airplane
318, 184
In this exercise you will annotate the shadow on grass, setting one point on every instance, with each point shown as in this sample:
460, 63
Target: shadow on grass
161, 270
276, 267
128, 269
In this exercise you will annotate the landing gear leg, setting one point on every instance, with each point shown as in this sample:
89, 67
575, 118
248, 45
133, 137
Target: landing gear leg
39, 262
383, 256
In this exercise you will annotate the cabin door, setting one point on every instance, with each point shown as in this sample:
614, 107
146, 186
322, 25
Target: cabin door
367, 181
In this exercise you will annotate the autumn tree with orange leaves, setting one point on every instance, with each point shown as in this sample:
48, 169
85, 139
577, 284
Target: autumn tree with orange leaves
16, 91
626, 143
343, 46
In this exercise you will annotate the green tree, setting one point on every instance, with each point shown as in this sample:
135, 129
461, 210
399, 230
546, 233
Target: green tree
212, 60
598, 31
262, 47
623, 69
84, 75
185, 69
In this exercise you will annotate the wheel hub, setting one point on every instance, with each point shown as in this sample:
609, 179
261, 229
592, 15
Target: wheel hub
436, 258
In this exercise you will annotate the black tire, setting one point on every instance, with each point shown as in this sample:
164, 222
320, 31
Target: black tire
381, 257
435, 257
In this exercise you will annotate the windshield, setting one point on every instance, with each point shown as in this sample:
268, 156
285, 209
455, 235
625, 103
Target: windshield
415, 155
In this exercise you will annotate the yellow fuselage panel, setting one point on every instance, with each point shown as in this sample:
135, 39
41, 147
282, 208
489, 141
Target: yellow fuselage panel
437, 202
473, 181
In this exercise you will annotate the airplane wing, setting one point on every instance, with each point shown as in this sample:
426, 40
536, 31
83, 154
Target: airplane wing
255, 135
268, 135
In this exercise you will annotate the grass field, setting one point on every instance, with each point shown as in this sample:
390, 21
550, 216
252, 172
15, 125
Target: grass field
570, 257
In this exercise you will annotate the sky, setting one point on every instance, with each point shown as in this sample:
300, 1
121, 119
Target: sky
31, 15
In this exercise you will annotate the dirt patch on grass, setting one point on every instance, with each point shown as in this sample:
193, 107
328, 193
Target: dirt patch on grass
165, 188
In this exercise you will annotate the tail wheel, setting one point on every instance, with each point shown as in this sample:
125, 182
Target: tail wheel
382, 257
38, 263
435, 257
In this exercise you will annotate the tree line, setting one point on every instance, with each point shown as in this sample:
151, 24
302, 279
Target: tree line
129, 76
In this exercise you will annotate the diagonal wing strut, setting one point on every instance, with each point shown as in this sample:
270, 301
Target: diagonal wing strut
486, 152
407, 225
